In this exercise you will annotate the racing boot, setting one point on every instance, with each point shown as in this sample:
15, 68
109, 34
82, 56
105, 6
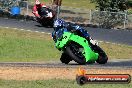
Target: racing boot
91, 41
94, 42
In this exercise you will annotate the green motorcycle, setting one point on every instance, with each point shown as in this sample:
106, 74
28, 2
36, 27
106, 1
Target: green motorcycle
76, 47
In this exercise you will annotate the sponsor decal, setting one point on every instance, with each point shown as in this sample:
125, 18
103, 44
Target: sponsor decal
83, 78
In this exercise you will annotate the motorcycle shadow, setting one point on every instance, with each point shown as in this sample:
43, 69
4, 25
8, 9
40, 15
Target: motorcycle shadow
76, 64
118, 63
45, 26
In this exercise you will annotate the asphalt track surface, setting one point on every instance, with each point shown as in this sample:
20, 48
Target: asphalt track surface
108, 35
112, 64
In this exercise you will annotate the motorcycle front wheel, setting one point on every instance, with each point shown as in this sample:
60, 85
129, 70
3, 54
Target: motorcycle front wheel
65, 58
75, 51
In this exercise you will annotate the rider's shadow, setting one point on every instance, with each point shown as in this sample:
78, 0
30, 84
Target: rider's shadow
44, 26
39, 25
119, 63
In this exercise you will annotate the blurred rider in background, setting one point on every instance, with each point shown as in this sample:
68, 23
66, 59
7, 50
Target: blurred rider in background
37, 9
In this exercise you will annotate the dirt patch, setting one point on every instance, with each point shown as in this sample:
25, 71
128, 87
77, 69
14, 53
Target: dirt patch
36, 73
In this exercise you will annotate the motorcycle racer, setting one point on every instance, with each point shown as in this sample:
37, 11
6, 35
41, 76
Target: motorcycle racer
59, 24
43, 14
37, 9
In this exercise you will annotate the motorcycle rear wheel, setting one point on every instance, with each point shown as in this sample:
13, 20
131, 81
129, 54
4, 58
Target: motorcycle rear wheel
103, 58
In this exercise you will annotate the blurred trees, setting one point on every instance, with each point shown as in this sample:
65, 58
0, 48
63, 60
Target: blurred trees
129, 3
111, 13
112, 5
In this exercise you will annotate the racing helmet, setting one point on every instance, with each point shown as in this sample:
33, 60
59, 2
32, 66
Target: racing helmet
58, 23
37, 2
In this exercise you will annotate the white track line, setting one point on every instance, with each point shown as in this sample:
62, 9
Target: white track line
7, 27
42, 32
21, 29
36, 31
25, 30
50, 34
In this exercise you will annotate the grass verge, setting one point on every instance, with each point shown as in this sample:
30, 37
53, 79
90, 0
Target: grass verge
85, 4
20, 46
56, 83
23, 46
115, 51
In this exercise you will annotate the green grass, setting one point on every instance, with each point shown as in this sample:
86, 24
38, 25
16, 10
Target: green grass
115, 51
26, 46
78, 4
23, 46
56, 83
74, 3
